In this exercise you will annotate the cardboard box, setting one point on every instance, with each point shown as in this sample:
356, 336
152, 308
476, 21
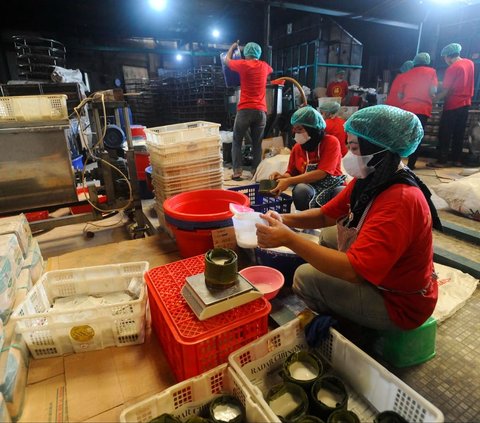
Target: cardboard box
46, 401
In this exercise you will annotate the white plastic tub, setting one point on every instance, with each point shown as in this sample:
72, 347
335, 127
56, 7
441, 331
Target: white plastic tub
49, 332
192, 396
372, 388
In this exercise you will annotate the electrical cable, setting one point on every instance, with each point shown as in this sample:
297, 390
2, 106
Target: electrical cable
92, 156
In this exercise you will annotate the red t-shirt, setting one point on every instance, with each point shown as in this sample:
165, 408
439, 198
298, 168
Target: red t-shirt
327, 157
394, 249
253, 82
335, 128
337, 89
458, 80
392, 98
416, 87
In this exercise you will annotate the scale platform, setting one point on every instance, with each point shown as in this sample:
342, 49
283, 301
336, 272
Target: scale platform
206, 303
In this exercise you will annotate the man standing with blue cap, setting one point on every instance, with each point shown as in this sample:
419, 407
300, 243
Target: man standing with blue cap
252, 108
457, 90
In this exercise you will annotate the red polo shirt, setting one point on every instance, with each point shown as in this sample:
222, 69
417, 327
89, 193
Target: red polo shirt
335, 128
253, 83
416, 87
337, 89
392, 98
458, 80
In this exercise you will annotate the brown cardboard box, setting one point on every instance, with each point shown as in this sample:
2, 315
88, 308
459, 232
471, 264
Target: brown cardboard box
46, 401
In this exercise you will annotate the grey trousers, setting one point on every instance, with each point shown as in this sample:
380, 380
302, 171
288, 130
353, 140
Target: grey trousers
256, 121
361, 303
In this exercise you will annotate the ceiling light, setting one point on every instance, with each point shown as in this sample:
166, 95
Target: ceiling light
216, 33
158, 4
179, 57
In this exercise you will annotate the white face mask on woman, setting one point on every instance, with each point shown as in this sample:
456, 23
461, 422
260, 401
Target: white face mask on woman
356, 166
301, 137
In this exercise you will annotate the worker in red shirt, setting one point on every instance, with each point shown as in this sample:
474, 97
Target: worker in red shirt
314, 165
334, 123
392, 98
339, 87
252, 108
377, 269
416, 90
457, 90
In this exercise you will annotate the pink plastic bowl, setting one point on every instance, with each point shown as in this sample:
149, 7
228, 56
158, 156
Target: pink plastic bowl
266, 279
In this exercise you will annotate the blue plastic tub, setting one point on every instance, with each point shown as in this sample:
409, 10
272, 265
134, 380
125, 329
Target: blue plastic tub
77, 163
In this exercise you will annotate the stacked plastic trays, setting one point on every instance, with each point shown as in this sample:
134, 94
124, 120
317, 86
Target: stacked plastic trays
184, 157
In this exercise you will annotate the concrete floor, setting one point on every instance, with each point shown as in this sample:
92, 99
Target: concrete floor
449, 381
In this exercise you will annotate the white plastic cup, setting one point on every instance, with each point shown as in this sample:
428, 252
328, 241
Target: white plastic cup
245, 229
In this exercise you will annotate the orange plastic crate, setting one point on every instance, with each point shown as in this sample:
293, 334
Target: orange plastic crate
190, 345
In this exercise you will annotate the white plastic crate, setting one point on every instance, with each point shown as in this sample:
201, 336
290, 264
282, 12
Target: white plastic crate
166, 191
181, 132
192, 151
372, 388
192, 396
50, 333
182, 170
34, 108
170, 184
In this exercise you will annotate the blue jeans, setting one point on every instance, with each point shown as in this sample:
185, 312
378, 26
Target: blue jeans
256, 121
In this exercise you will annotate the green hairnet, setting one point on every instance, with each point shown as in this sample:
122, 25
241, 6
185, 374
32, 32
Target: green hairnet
406, 66
331, 107
389, 127
252, 50
451, 49
421, 59
340, 72
308, 116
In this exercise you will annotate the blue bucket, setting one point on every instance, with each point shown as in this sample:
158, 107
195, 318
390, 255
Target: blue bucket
284, 260
77, 163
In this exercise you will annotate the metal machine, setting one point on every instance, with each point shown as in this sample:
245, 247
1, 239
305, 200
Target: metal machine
36, 170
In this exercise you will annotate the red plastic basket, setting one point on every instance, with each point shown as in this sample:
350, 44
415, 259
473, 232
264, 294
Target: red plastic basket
190, 345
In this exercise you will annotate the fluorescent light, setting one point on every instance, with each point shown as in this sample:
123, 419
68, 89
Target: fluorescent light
179, 57
216, 33
158, 4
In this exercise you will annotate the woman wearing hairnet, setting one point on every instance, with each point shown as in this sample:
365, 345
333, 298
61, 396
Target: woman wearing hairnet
334, 123
417, 90
393, 99
314, 165
381, 274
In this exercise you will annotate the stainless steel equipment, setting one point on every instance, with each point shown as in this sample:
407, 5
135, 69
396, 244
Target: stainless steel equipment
35, 167
273, 96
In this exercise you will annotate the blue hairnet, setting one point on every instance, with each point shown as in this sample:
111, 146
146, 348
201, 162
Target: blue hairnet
451, 49
308, 116
421, 59
406, 66
388, 127
252, 50
330, 107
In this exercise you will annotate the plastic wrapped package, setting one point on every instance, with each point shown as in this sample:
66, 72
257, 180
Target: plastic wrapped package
11, 262
34, 261
4, 416
13, 379
24, 280
19, 226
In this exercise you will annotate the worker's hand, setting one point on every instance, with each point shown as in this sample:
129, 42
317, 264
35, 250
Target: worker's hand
282, 185
274, 235
273, 214
235, 45
275, 176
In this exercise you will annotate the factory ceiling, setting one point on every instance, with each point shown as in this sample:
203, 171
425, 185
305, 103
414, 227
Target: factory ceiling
193, 20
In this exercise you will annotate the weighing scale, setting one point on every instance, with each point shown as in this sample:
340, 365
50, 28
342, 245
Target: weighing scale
206, 302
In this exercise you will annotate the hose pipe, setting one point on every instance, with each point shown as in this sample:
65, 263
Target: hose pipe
295, 82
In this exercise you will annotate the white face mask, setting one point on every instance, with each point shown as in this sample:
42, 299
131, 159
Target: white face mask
301, 137
356, 166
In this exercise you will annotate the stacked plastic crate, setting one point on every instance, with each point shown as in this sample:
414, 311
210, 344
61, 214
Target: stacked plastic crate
184, 157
